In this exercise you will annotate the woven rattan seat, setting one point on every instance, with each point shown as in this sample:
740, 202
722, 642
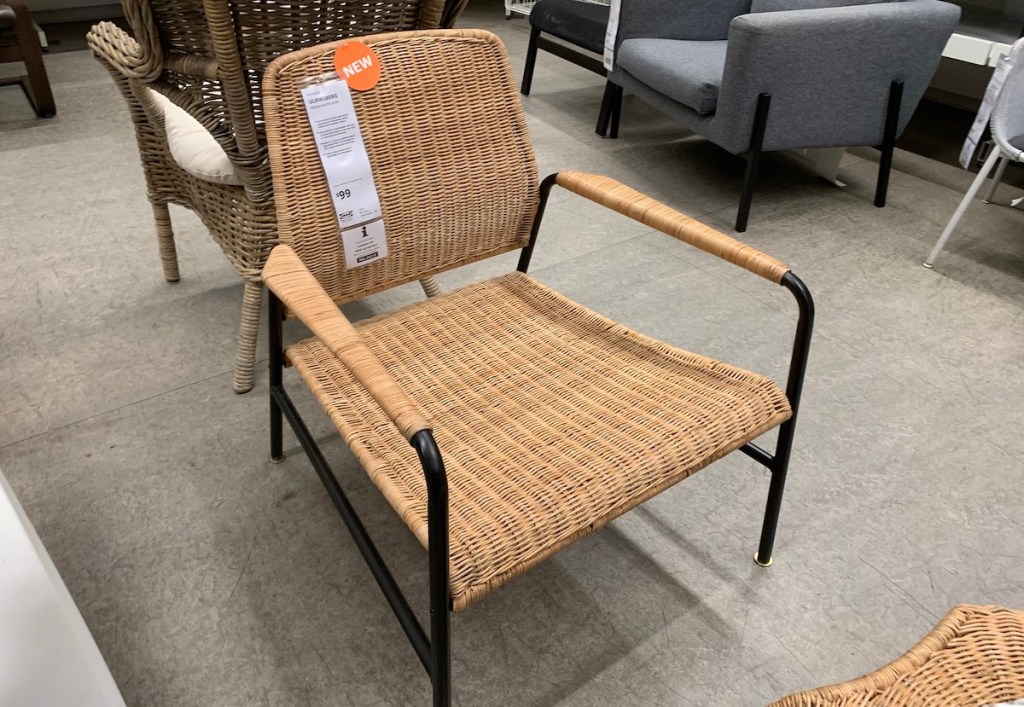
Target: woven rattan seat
586, 419
973, 658
501, 421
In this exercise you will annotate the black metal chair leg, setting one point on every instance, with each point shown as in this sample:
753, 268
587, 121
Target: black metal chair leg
531, 60
892, 119
616, 111
276, 432
763, 556
606, 109
779, 462
753, 156
275, 318
440, 592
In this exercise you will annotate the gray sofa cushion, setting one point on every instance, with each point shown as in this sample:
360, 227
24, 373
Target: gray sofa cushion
581, 23
779, 5
687, 72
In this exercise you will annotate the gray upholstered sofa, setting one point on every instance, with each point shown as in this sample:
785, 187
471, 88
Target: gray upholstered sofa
760, 75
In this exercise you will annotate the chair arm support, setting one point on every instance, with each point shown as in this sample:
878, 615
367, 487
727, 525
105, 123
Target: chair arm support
193, 65
119, 50
629, 202
287, 277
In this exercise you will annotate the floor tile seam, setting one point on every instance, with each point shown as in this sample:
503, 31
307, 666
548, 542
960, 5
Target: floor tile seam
114, 409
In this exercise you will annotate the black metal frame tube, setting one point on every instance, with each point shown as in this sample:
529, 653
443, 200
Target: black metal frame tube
753, 155
779, 464
545, 191
584, 61
388, 585
758, 454
275, 317
888, 146
440, 595
531, 61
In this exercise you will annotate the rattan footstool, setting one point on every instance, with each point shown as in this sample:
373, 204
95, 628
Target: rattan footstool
974, 657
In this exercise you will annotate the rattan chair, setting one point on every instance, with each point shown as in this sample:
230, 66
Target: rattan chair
502, 421
206, 58
973, 658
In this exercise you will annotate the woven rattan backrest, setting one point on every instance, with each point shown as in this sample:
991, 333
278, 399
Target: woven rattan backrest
229, 43
265, 29
449, 148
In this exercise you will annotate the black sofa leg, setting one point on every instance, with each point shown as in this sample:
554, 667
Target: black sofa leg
531, 60
606, 109
892, 119
764, 101
616, 111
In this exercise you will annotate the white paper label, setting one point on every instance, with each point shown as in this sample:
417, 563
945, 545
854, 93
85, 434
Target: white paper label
364, 244
339, 141
610, 35
995, 84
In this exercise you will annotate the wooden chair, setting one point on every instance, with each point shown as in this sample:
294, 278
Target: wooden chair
16, 25
191, 76
502, 421
973, 658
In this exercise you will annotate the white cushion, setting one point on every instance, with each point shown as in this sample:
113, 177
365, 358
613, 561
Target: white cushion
193, 147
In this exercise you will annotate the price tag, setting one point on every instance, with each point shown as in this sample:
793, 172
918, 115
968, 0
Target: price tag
339, 141
611, 34
995, 85
364, 244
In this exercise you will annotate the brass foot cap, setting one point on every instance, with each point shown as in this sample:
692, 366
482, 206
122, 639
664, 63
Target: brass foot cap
764, 564
277, 460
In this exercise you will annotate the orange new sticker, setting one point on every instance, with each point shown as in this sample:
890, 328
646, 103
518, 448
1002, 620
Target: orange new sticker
357, 64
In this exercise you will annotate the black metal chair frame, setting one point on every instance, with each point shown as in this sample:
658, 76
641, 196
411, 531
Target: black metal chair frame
538, 40
434, 651
611, 112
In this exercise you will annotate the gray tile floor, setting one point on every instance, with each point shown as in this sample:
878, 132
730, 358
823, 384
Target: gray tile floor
210, 577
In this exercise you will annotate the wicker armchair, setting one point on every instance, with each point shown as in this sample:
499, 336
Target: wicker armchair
196, 64
501, 421
973, 658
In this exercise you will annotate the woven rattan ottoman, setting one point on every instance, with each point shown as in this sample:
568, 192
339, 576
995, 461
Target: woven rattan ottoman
974, 657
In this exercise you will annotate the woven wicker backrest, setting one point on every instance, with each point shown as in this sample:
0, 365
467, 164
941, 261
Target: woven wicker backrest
242, 37
265, 29
449, 148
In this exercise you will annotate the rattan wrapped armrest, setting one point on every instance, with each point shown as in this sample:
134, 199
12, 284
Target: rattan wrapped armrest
629, 202
122, 52
288, 278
